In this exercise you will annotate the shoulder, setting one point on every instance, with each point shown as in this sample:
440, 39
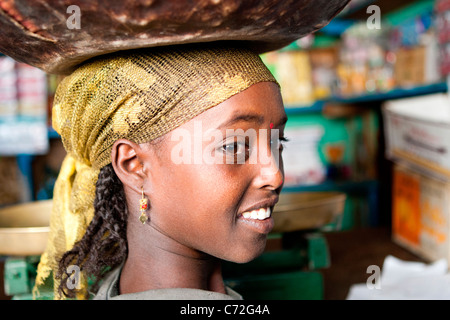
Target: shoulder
179, 294
109, 290
110, 285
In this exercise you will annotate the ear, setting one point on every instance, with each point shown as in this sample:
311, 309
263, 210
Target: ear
127, 164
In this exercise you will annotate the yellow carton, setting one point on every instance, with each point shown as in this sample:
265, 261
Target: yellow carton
420, 213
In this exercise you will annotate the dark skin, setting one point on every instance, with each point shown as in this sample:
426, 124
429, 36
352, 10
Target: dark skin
195, 210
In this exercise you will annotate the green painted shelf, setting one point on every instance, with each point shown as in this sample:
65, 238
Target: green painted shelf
396, 93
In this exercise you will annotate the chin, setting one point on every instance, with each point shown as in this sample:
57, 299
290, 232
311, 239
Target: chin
245, 255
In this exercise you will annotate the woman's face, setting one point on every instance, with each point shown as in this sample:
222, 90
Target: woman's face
211, 186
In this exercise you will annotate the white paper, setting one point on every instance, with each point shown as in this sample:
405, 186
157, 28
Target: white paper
405, 280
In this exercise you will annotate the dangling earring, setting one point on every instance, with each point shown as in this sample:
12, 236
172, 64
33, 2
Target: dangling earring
143, 207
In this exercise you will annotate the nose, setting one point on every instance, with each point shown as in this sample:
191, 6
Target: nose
269, 171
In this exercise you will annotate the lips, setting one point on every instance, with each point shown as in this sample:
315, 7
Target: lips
259, 217
261, 210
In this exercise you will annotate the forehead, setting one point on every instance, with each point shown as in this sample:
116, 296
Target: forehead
260, 103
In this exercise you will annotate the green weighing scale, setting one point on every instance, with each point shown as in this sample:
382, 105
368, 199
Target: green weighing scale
24, 231
287, 270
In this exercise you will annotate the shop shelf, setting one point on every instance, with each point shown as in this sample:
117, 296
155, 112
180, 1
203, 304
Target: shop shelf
52, 134
397, 93
337, 26
315, 107
344, 186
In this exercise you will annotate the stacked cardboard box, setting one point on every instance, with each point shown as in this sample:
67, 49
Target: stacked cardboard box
417, 131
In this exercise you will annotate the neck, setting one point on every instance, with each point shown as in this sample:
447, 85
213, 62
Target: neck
157, 263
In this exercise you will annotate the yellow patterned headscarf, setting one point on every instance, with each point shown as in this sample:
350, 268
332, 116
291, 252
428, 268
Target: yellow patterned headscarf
139, 96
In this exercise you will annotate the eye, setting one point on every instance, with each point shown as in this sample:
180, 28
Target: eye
280, 143
234, 148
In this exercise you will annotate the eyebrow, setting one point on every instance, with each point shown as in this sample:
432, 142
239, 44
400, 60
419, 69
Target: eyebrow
259, 119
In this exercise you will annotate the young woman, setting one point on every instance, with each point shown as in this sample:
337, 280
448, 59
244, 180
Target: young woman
173, 165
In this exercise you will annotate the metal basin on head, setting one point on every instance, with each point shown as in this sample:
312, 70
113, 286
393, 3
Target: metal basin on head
58, 35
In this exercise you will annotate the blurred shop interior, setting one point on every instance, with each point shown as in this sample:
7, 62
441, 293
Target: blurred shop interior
367, 165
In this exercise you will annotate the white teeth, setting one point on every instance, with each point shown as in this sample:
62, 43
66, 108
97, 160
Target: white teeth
262, 214
259, 214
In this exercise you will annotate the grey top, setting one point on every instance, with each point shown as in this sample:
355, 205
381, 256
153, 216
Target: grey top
109, 290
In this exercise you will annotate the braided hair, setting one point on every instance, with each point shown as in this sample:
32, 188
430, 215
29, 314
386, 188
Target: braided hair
104, 244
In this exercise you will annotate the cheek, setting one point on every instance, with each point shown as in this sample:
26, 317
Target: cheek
197, 196
197, 206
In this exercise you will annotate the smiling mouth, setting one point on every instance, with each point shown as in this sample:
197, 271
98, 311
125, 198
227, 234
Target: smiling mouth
258, 214
258, 220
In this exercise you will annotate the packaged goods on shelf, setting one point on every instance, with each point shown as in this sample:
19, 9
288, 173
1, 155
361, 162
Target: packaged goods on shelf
445, 59
323, 69
302, 164
418, 64
23, 137
304, 75
364, 61
23, 91
442, 10
23, 109
421, 213
415, 43
365, 64
417, 131
378, 60
32, 91
292, 69
8, 92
